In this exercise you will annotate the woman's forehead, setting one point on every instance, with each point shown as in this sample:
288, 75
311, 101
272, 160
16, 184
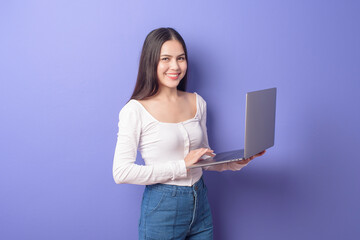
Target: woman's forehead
172, 47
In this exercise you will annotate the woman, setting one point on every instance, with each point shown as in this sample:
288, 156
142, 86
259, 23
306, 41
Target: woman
168, 126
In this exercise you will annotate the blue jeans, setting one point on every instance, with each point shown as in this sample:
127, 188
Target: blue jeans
176, 212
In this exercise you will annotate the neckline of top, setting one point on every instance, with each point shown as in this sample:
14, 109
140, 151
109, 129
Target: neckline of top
188, 120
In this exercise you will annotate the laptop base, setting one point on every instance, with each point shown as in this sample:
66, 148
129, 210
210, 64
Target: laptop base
220, 158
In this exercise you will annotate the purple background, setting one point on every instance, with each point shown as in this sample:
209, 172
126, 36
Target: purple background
67, 68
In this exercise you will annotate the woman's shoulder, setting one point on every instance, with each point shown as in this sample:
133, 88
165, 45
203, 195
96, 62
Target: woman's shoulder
193, 96
131, 107
136, 110
198, 100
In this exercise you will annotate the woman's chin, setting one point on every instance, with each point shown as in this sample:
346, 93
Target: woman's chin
172, 84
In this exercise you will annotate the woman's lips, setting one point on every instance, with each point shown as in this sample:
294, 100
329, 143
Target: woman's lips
173, 76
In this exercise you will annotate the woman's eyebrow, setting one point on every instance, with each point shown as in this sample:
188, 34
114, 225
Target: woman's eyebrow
167, 55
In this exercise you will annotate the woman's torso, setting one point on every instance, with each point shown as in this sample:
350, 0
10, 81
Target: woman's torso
163, 141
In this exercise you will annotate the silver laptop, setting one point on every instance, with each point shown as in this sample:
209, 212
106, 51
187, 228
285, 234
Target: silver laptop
259, 129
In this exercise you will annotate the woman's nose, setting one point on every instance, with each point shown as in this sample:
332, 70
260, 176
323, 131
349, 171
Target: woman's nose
174, 65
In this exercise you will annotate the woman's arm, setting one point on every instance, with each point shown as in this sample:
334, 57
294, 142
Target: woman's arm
124, 168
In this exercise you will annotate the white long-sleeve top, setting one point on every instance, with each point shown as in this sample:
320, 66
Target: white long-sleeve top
163, 146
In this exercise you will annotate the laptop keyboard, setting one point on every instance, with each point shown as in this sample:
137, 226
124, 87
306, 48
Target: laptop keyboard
230, 155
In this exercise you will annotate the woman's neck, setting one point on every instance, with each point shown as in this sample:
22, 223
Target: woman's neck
168, 94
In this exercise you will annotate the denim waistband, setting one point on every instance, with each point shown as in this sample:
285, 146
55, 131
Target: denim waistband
199, 185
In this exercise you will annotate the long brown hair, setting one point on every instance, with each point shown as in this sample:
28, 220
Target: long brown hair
147, 80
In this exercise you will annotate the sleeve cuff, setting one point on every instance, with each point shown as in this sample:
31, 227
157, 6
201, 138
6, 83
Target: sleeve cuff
179, 170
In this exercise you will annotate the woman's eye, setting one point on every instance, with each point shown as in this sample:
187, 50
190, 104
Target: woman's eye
165, 59
181, 58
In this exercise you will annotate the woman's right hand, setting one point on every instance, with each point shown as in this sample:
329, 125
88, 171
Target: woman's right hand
194, 155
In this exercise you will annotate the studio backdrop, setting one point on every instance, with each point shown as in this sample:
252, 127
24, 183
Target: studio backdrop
68, 67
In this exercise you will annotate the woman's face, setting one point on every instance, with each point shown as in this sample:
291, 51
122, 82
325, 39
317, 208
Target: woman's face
172, 64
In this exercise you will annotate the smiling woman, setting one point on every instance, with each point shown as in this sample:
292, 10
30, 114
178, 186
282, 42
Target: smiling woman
147, 84
172, 65
168, 126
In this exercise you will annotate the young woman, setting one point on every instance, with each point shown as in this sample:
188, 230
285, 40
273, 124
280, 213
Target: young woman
168, 126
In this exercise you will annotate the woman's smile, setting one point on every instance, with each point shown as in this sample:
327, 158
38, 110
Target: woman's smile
173, 76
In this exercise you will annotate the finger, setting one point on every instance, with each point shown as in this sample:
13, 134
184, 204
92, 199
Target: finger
210, 154
204, 150
258, 155
199, 152
261, 153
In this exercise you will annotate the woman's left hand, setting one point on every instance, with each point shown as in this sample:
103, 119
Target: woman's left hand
245, 161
